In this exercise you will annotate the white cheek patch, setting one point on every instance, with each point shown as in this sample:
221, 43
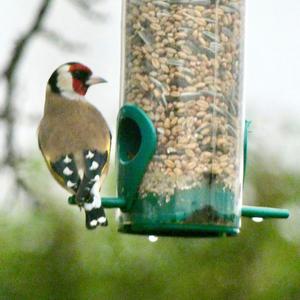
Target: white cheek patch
65, 84
72, 95
65, 79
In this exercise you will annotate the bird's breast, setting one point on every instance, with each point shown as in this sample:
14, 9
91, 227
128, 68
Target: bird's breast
73, 128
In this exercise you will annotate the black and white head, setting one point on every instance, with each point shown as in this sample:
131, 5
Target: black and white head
72, 80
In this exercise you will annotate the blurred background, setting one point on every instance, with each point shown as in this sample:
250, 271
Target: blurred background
45, 251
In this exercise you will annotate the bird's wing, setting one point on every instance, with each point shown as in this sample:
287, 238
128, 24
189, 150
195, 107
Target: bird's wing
65, 172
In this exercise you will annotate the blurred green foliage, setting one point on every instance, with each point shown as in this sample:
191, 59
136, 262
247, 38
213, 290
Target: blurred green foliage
48, 254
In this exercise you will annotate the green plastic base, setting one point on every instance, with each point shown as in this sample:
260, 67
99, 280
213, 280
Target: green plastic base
183, 230
205, 211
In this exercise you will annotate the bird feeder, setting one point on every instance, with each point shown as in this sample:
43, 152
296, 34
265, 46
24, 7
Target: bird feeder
182, 135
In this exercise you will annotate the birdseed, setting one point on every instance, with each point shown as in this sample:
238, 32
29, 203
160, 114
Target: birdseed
183, 68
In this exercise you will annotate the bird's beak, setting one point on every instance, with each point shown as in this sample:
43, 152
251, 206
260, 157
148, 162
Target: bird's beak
94, 80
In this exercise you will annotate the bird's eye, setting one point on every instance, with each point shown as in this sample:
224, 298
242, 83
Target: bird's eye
77, 73
80, 75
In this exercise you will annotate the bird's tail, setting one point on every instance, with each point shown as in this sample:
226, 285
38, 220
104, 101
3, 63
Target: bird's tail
88, 194
94, 211
95, 217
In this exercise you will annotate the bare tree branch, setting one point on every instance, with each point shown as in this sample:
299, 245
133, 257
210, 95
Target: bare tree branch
61, 42
86, 7
9, 75
21, 44
21, 185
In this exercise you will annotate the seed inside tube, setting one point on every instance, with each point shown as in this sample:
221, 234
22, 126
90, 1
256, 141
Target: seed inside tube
182, 68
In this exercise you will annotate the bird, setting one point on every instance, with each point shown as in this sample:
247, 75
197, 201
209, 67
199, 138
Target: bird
75, 140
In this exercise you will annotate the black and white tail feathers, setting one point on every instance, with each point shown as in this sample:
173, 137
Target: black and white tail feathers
87, 189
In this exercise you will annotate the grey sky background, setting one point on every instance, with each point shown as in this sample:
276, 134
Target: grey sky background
272, 67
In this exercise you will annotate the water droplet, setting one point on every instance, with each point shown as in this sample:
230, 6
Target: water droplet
257, 219
153, 238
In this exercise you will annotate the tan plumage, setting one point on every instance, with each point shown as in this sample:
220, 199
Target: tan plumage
72, 126
75, 125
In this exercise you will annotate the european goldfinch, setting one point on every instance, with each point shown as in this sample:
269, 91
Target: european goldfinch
75, 140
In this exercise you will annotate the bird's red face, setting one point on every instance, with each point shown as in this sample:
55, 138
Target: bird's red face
72, 79
80, 76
